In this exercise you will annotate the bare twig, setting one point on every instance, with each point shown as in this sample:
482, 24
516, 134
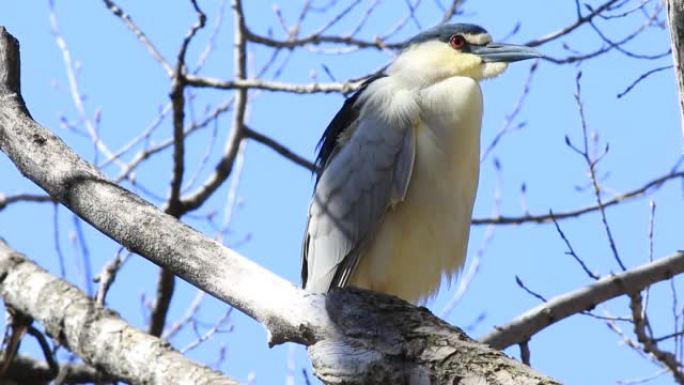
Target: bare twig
8, 200
189, 315
649, 344
545, 218
147, 153
216, 328
279, 148
45, 348
75, 92
571, 251
107, 276
507, 125
642, 77
27, 370
225, 165
581, 20
244, 84
561, 307
452, 10
591, 165
126, 18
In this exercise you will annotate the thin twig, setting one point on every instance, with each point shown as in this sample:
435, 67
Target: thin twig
566, 305
225, 165
545, 218
45, 348
279, 148
107, 276
578, 23
74, 89
591, 165
8, 200
649, 344
642, 77
571, 251
126, 18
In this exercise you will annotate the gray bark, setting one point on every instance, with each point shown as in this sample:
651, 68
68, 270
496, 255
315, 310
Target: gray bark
97, 335
675, 15
384, 340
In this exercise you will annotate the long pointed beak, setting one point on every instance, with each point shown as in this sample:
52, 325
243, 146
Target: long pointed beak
507, 53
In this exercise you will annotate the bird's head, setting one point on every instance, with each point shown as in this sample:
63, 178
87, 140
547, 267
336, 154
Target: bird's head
456, 50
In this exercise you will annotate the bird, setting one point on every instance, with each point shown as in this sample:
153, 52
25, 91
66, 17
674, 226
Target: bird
398, 168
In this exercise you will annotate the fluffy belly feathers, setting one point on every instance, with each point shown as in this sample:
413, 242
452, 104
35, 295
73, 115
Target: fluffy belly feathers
425, 236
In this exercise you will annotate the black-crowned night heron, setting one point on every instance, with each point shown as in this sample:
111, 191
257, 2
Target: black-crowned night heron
399, 168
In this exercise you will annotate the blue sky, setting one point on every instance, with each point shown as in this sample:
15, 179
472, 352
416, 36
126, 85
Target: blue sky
126, 88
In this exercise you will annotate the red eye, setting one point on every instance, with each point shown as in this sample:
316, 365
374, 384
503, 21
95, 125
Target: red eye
457, 41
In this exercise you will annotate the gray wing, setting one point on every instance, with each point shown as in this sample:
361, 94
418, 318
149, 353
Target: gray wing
366, 176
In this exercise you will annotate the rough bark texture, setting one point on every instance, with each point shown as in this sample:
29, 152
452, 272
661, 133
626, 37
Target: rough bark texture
97, 335
384, 340
675, 15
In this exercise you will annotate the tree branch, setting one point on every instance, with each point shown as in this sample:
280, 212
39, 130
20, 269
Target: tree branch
279, 148
545, 218
581, 20
225, 165
311, 88
583, 299
675, 15
641, 325
28, 371
167, 280
97, 335
8, 200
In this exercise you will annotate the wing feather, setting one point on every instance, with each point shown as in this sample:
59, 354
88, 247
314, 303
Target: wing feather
367, 175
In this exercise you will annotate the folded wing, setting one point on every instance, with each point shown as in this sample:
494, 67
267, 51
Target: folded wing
364, 177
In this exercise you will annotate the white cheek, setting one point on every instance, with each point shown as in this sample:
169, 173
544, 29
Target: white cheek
490, 70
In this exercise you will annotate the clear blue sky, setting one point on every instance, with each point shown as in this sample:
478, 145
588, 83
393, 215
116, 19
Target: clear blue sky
128, 88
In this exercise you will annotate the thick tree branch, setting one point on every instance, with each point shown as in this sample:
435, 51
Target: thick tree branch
377, 333
675, 15
347, 332
586, 298
98, 336
139, 226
